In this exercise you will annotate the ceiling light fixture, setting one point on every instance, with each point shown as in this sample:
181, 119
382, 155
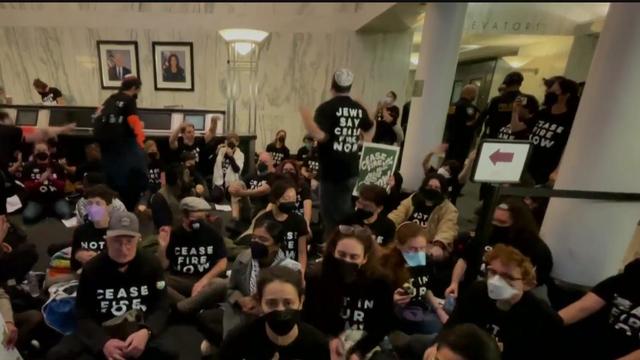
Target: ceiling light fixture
243, 40
517, 61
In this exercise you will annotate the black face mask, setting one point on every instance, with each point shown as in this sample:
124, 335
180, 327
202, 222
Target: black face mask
41, 156
363, 214
231, 145
287, 207
154, 156
281, 322
347, 271
135, 96
432, 196
259, 250
293, 176
550, 99
632, 270
262, 168
281, 139
500, 234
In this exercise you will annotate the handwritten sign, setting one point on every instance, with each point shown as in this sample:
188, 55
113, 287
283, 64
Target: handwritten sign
377, 162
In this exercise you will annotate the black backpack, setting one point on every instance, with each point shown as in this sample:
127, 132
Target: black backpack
111, 125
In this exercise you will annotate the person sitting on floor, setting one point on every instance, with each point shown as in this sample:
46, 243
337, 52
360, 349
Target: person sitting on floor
90, 180
196, 256
278, 333
121, 302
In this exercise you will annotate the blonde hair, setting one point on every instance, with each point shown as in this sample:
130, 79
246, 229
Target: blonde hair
508, 255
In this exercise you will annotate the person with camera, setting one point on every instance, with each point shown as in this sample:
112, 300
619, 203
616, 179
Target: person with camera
121, 302
461, 126
228, 167
195, 256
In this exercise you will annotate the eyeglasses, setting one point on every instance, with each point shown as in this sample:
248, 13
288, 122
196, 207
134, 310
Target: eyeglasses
492, 272
356, 230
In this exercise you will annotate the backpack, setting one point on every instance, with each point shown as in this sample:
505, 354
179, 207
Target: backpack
110, 124
59, 311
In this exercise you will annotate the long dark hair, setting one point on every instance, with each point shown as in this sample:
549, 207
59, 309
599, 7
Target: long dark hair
524, 223
173, 56
299, 179
282, 274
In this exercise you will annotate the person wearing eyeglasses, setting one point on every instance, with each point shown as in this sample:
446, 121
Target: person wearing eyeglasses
348, 296
278, 333
523, 325
513, 225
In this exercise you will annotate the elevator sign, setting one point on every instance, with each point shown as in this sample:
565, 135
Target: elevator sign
500, 162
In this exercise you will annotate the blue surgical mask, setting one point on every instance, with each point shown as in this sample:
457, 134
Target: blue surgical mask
413, 259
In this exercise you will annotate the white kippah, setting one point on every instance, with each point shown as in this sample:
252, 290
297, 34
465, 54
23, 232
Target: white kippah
343, 77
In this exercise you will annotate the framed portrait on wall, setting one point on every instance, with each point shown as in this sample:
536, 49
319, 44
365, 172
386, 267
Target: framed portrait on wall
117, 59
173, 66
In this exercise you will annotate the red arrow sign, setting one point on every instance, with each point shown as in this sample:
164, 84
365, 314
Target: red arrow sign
498, 156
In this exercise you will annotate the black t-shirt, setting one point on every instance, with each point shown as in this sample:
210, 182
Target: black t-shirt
112, 126
293, 227
498, 113
460, 129
622, 295
88, 167
10, 140
50, 96
421, 212
154, 170
195, 148
383, 228
86, 237
254, 181
104, 292
505, 132
195, 252
535, 249
549, 137
528, 330
341, 118
312, 163
385, 133
278, 154
250, 342
420, 277
303, 153
302, 194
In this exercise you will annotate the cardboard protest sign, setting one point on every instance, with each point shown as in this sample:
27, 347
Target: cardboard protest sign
377, 163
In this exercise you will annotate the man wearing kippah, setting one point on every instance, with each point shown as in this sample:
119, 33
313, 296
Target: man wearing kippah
337, 126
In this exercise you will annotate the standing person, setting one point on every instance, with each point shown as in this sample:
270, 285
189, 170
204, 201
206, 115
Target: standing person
278, 149
347, 295
49, 95
191, 143
368, 213
524, 326
294, 232
337, 127
116, 282
278, 333
228, 167
119, 132
11, 137
44, 182
388, 131
498, 113
195, 256
550, 133
461, 125
620, 298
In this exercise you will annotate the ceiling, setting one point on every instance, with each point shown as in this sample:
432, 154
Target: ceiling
558, 19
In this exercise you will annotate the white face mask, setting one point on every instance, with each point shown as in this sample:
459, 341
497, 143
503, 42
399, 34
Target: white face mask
499, 289
444, 172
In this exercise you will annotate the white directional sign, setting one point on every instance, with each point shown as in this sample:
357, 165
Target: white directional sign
501, 161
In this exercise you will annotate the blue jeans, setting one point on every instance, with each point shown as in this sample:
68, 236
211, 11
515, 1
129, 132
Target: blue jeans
335, 202
34, 210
